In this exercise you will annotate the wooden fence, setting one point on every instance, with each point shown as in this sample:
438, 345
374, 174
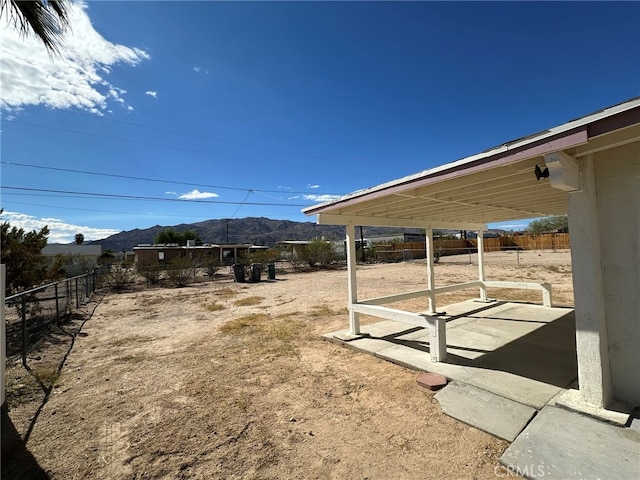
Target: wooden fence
414, 250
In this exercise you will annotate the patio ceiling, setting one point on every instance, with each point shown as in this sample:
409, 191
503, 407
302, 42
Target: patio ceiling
493, 186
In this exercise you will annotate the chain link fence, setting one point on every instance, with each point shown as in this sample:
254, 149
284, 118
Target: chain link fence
41, 327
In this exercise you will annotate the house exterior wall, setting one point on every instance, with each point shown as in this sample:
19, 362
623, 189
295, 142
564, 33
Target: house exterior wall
617, 173
604, 221
151, 255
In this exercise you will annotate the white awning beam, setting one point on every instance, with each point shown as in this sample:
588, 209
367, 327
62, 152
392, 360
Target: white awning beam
357, 220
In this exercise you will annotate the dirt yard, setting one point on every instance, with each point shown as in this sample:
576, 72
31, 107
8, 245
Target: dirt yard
229, 380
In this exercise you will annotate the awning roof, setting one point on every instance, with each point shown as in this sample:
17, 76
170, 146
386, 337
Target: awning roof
493, 186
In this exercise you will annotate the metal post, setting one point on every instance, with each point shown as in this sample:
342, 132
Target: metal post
23, 300
57, 305
3, 337
77, 294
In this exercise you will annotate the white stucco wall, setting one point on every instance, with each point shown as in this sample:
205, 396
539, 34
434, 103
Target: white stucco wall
617, 174
604, 222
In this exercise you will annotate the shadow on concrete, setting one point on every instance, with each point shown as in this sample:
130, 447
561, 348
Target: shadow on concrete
17, 462
547, 354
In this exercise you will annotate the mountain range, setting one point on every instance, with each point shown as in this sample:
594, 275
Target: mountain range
253, 230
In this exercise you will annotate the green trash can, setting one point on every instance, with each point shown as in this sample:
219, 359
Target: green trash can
238, 273
256, 271
271, 272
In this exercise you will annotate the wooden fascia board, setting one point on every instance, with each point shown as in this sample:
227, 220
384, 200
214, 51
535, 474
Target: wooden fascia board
610, 140
356, 220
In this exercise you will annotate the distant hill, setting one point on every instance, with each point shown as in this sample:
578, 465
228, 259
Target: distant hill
258, 231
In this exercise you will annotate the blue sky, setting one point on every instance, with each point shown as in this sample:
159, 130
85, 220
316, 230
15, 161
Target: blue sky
204, 110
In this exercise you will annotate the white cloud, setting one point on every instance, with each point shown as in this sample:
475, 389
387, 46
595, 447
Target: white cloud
59, 230
29, 76
316, 198
151, 93
201, 70
313, 186
196, 194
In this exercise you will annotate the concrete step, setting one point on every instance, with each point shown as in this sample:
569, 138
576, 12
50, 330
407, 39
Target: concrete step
559, 443
486, 411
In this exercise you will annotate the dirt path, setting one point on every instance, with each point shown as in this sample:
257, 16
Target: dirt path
228, 380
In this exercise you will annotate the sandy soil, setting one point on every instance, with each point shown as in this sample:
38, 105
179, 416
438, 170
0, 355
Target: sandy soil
230, 380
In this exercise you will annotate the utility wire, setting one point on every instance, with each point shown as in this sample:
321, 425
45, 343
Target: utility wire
146, 179
139, 142
139, 197
241, 203
204, 137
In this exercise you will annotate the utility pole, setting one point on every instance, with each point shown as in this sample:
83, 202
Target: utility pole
364, 259
227, 231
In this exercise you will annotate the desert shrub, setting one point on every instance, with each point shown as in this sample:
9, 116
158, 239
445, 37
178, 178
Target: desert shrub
150, 271
266, 256
318, 252
180, 271
119, 278
211, 265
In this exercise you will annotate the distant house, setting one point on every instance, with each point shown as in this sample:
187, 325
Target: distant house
79, 258
164, 253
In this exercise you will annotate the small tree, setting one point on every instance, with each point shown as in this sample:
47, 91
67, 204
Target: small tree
79, 238
548, 224
169, 235
21, 251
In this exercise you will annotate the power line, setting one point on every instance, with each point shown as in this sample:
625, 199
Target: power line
204, 137
139, 142
146, 179
140, 197
93, 210
241, 203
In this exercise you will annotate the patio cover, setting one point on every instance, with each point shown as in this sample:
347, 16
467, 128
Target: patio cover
496, 185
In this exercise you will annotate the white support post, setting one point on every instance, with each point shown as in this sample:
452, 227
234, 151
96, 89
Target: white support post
3, 336
438, 338
354, 321
592, 345
483, 289
430, 271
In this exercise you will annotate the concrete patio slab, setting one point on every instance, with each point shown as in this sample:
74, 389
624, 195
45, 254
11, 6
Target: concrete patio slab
567, 445
523, 352
484, 410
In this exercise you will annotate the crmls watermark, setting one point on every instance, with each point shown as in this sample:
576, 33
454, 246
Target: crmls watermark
527, 471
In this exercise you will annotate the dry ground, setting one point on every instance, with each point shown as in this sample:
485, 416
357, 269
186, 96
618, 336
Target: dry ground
229, 380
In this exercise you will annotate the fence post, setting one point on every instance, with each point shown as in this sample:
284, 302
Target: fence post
57, 305
24, 330
77, 295
3, 336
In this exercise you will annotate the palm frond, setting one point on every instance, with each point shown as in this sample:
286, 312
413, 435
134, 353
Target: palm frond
46, 19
